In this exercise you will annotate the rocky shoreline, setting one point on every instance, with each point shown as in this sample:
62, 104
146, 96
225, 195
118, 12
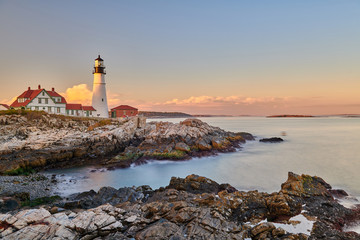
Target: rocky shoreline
36, 141
191, 208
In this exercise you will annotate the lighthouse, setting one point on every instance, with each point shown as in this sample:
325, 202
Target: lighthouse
99, 100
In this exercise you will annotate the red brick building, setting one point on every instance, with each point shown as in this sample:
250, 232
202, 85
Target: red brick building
123, 111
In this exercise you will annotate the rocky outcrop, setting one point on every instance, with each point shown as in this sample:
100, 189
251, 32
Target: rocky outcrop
192, 208
50, 141
58, 141
192, 137
271, 140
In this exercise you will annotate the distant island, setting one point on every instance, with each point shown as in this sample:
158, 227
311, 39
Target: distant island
164, 114
210, 115
288, 116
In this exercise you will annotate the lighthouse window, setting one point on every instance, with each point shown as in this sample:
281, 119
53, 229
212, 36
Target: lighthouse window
102, 99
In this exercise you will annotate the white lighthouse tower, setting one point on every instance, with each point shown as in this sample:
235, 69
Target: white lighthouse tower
99, 100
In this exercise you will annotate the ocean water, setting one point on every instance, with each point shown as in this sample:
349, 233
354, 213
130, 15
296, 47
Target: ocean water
328, 147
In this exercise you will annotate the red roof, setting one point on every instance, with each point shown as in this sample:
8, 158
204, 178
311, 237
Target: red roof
124, 107
5, 105
31, 94
88, 108
70, 106
55, 94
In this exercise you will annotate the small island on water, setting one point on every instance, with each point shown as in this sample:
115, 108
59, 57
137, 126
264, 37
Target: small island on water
289, 116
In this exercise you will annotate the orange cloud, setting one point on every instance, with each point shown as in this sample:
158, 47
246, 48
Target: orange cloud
78, 94
229, 105
82, 94
206, 100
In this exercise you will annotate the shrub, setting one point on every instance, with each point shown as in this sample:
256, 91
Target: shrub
20, 171
101, 123
40, 201
129, 156
176, 154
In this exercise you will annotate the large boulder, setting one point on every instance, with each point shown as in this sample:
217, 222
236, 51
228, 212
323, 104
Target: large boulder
305, 185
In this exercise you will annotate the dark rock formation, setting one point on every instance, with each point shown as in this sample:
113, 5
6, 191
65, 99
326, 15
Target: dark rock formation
191, 208
271, 140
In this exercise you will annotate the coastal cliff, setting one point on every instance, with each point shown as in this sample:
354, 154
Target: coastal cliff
194, 207
36, 140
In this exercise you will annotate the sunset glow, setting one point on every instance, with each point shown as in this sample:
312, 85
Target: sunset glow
240, 58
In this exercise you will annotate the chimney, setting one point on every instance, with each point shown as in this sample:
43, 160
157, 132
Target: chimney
39, 86
28, 88
53, 89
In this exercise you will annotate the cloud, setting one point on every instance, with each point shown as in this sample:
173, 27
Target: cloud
228, 105
219, 100
78, 94
82, 94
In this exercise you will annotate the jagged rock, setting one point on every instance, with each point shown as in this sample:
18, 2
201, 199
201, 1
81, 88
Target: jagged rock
110, 195
193, 208
182, 147
55, 141
305, 185
261, 228
196, 184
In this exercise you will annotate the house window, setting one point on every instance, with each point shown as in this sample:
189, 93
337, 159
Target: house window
43, 93
67, 112
72, 112
58, 110
49, 109
37, 108
46, 101
39, 100
43, 108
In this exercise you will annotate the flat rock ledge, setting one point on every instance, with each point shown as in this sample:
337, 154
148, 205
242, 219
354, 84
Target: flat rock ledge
192, 208
40, 141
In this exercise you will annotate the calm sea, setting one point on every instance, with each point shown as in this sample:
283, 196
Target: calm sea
326, 147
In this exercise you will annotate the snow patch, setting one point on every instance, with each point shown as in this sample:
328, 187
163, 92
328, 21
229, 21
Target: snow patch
304, 226
300, 225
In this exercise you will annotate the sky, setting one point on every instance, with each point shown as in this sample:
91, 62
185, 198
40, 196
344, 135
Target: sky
200, 57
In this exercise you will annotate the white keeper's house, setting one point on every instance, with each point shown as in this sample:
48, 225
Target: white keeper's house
51, 102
